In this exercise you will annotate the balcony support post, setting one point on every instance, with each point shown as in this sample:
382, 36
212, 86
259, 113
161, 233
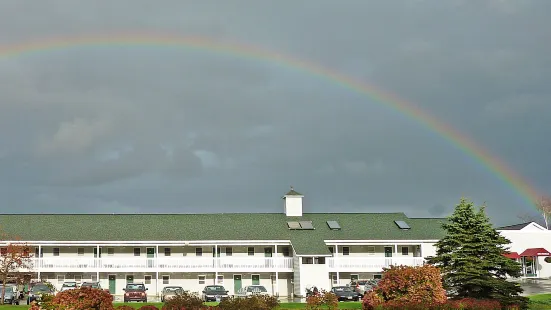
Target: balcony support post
156, 264
276, 291
39, 261
216, 258
337, 266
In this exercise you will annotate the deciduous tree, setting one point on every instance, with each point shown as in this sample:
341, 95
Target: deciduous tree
471, 258
15, 259
544, 206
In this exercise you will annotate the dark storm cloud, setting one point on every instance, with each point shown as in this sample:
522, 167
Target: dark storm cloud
173, 130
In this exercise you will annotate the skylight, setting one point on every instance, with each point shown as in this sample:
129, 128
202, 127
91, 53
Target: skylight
293, 225
333, 225
402, 225
306, 225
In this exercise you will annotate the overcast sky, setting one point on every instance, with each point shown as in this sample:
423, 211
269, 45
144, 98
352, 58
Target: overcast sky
156, 129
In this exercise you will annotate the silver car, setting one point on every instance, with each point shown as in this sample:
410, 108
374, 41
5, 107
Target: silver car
11, 296
252, 290
68, 286
170, 291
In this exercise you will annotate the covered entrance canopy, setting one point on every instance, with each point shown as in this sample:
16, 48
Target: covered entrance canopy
529, 260
535, 252
513, 255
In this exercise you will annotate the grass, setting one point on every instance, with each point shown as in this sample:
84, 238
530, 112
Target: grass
538, 302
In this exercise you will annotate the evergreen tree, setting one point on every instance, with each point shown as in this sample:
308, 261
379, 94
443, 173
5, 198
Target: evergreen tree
471, 259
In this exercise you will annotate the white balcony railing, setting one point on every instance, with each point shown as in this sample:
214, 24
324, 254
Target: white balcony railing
372, 263
163, 263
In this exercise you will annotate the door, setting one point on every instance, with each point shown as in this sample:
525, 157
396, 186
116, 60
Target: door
236, 283
112, 283
129, 279
388, 255
150, 257
256, 279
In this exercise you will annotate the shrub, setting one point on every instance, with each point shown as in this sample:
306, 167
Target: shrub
254, 302
185, 300
125, 307
323, 300
84, 298
463, 304
403, 285
148, 307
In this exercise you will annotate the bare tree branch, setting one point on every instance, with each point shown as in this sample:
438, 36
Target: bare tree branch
526, 217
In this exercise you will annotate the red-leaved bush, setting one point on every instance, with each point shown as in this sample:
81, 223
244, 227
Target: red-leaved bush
83, 298
463, 304
322, 300
407, 285
124, 307
148, 307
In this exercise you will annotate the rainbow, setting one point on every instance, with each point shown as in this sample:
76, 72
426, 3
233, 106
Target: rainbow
495, 165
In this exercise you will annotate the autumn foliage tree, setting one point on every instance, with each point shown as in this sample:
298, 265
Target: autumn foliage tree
544, 206
405, 286
15, 259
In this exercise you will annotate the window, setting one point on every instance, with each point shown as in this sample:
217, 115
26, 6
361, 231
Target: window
250, 251
94, 278
345, 250
110, 251
354, 277
147, 279
370, 250
37, 252
319, 260
137, 251
286, 251
4, 251
377, 276
330, 248
307, 260
335, 281
202, 279
198, 251
51, 276
167, 252
78, 278
56, 251
60, 279
229, 251
220, 279
405, 250
80, 251
166, 279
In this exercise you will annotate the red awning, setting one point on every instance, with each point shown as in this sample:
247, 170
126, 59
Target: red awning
512, 255
535, 252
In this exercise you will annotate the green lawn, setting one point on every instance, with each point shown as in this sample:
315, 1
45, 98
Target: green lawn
539, 302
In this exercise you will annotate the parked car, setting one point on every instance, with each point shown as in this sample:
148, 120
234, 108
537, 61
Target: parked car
135, 292
252, 290
214, 293
361, 286
68, 286
345, 293
37, 290
170, 291
11, 296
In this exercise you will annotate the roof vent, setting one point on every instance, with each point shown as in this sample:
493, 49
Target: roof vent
333, 225
403, 225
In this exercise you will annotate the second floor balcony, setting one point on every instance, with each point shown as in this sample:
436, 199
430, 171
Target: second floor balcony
169, 264
370, 263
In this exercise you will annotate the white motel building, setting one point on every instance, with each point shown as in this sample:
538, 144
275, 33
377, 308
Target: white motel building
286, 252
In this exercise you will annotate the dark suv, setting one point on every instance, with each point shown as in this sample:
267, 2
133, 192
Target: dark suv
135, 292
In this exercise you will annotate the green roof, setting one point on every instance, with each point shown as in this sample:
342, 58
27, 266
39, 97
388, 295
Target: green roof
293, 192
223, 226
